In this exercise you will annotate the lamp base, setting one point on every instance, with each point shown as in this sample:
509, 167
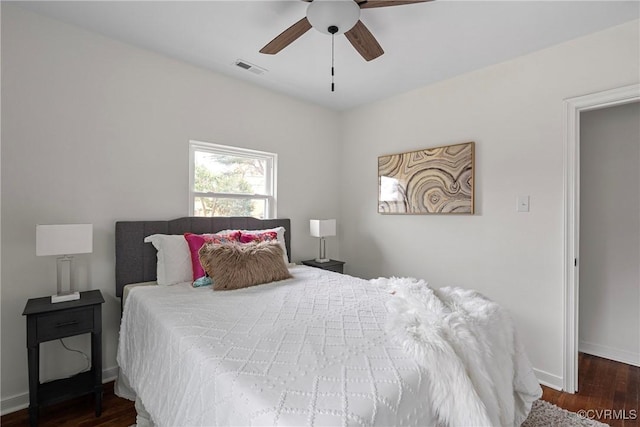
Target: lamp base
71, 296
322, 260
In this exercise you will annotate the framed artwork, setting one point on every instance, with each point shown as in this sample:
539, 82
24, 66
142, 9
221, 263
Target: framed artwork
431, 181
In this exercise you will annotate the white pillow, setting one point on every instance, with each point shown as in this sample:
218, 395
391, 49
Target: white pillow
174, 258
279, 231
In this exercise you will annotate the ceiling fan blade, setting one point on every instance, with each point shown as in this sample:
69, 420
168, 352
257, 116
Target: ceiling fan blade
287, 37
368, 4
364, 42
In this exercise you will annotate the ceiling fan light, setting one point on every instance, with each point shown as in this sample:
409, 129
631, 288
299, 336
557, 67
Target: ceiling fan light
323, 14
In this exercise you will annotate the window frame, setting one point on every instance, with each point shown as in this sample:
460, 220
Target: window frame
271, 161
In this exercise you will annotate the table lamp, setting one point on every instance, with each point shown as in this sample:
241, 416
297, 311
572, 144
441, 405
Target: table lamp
322, 228
64, 240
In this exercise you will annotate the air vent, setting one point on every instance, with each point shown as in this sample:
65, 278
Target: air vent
249, 67
243, 65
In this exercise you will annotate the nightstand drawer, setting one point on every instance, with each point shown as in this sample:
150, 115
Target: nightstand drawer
334, 267
65, 323
331, 265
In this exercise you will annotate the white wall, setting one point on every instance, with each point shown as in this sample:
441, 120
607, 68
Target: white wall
514, 113
80, 105
610, 233
97, 131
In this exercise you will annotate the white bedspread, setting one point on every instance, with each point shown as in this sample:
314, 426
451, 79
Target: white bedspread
311, 350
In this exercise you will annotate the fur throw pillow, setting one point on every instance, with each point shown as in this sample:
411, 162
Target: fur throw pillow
235, 265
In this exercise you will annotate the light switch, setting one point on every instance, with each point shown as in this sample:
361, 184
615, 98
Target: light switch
523, 204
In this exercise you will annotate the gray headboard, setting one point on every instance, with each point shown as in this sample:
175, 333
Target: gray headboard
136, 260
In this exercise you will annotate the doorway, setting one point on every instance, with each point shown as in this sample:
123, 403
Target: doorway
609, 255
573, 109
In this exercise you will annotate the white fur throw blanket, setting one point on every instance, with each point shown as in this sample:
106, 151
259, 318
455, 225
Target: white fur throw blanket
467, 344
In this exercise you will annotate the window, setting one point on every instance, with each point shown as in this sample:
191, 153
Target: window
230, 181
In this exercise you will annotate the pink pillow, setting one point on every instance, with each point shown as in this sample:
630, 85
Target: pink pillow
258, 237
196, 241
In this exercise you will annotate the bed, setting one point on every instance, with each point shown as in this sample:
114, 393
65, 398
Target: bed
320, 348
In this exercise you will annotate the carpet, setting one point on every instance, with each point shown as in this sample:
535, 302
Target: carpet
545, 414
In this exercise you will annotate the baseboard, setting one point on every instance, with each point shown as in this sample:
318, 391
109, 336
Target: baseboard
109, 374
14, 403
21, 400
611, 353
550, 380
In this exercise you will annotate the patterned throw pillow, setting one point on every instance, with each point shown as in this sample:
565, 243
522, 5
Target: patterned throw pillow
258, 237
243, 265
279, 230
203, 281
195, 242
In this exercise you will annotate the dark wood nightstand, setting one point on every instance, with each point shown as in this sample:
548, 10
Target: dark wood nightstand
331, 265
46, 322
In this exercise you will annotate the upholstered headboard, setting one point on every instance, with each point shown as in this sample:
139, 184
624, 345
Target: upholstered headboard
136, 260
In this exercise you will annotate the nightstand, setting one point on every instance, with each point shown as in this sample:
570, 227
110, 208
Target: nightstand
47, 322
331, 265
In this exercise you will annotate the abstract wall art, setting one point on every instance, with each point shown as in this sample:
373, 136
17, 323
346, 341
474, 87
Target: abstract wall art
431, 181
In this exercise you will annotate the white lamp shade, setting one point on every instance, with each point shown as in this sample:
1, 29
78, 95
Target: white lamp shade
322, 227
64, 239
322, 14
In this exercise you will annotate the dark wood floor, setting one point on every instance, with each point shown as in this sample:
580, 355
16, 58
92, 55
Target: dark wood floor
604, 385
116, 412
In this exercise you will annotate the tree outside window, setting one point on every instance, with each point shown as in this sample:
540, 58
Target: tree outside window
227, 181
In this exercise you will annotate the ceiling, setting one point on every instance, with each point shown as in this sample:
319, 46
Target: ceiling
424, 43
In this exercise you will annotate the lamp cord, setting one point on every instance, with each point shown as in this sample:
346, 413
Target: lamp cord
86, 358
332, 62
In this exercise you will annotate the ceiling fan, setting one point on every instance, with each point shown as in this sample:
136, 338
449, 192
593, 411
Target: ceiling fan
337, 17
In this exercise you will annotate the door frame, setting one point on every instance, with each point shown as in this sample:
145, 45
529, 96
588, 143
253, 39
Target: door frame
572, 109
